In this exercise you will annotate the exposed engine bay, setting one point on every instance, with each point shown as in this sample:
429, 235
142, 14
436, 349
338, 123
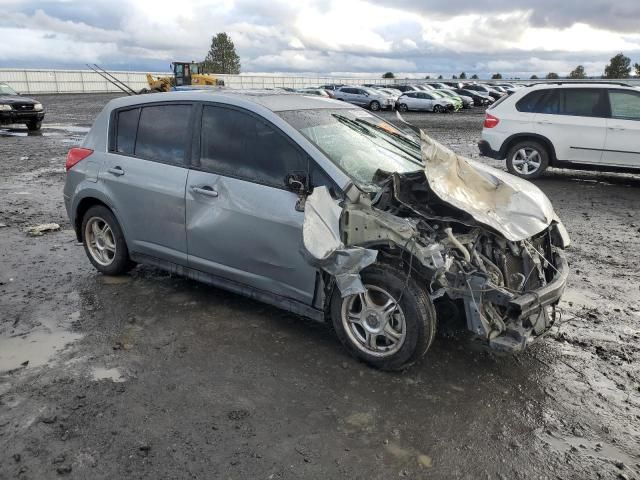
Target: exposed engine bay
500, 259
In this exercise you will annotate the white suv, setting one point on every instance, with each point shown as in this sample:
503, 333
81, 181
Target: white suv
588, 126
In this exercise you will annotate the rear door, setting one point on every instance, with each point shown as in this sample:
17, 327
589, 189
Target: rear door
145, 173
622, 146
242, 223
574, 120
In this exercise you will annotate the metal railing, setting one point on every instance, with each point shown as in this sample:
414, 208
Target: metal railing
86, 81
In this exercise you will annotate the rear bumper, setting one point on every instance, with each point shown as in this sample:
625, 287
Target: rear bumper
486, 150
12, 116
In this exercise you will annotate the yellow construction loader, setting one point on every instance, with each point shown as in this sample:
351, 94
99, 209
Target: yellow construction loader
185, 74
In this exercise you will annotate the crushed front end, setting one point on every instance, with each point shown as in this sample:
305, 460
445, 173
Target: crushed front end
475, 238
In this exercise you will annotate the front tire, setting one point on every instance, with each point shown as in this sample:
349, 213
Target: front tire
438, 109
374, 106
403, 107
389, 327
104, 242
34, 125
527, 159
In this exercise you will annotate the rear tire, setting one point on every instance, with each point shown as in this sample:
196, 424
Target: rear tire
357, 318
374, 106
403, 107
34, 125
438, 109
104, 242
527, 159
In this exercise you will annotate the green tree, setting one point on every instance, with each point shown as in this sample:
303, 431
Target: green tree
619, 67
222, 56
428, 77
454, 77
439, 77
636, 67
534, 77
474, 77
578, 73
552, 76
463, 76
496, 76
388, 75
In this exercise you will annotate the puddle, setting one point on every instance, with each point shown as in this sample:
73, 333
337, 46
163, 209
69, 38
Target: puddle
115, 280
113, 374
601, 450
37, 348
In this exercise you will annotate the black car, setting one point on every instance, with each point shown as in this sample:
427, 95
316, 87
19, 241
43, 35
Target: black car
479, 100
496, 95
15, 108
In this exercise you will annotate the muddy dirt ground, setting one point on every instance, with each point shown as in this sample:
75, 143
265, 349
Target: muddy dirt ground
154, 376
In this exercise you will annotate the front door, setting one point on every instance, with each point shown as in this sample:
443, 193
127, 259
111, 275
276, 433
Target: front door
622, 146
242, 223
144, 175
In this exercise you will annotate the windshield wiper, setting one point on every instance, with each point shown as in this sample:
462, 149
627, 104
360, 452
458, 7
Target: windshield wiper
353, 124
398, 136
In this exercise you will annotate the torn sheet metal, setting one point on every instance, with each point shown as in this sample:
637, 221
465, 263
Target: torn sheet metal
321, 239
512, 206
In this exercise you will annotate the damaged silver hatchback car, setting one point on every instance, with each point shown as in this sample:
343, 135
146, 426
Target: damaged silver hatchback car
323, 209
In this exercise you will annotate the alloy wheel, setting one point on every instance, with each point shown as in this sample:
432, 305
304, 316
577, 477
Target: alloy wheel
526, 161
374, 322
100, 240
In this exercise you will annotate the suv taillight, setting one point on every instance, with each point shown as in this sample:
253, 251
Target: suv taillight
76, 155
490, 121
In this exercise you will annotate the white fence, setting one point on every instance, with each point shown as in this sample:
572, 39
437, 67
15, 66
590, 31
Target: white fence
87, 81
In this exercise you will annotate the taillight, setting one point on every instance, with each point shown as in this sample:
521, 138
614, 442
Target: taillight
490, 121
76, 155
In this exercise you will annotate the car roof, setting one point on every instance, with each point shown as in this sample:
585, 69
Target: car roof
276, 101
537, 86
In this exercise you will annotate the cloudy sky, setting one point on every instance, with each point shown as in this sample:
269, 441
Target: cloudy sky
411, 37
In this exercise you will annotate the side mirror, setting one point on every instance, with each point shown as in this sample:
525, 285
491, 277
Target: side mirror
297, 183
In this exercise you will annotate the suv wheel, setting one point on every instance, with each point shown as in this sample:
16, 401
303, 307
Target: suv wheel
527, 159
374, 106
104, 242
391, 326
403, 107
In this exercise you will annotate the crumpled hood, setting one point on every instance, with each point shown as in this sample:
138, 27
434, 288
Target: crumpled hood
510, 205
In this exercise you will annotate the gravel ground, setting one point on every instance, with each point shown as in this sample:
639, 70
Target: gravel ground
154, 376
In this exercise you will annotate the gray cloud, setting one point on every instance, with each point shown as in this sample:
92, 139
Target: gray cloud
623, 15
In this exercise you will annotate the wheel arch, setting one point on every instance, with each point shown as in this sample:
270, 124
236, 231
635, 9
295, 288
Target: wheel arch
518, 137
84, 205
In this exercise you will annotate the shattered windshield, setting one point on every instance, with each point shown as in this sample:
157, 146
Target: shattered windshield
358, 142
6, 90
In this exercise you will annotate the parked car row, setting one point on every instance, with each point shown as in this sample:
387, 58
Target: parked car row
433, 97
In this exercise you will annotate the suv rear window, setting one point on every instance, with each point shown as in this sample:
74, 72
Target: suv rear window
625, 104
529, 102
580, 102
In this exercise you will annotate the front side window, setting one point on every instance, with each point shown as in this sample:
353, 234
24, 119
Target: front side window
237, 144
163, 133
358, 143
625, 104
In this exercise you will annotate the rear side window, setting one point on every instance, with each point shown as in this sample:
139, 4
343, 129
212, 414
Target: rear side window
163, 133
625, 104
237, 144
127, 126
530, 101
583, 102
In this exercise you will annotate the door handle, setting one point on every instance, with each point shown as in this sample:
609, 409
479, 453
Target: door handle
204, 190
616, 128
117, 171
543, 123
